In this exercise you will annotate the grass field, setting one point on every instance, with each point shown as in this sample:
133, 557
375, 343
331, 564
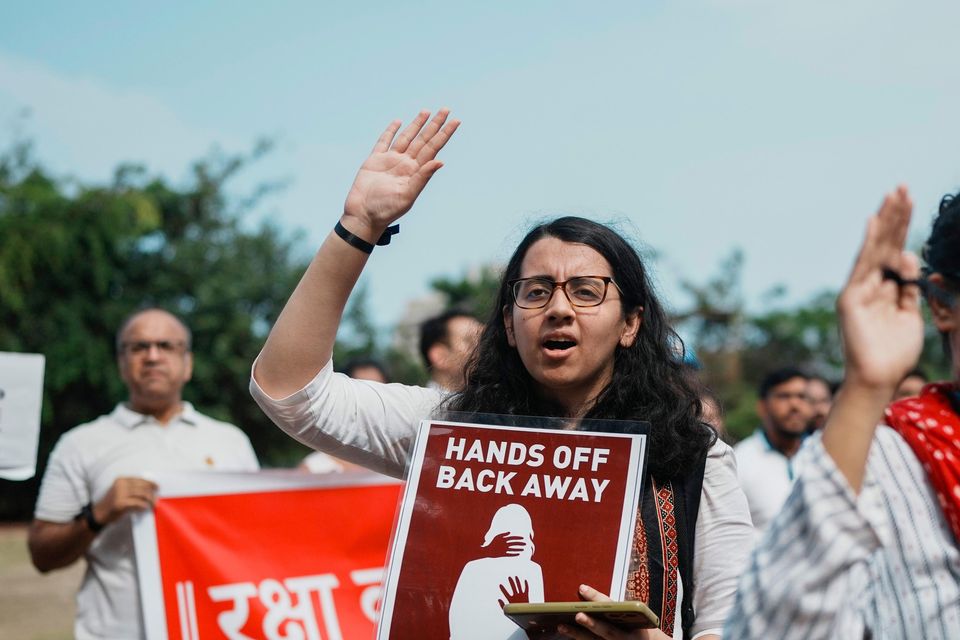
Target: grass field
33, 606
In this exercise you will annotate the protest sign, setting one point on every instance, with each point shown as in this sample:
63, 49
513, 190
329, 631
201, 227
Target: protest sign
21, 392
492, 515
269, 555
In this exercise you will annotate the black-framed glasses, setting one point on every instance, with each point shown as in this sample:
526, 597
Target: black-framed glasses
581, 291
140, 347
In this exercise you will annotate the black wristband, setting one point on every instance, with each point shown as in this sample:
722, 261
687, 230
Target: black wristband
361, 244
86, 514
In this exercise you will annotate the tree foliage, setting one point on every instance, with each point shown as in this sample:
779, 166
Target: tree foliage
360, 337
738, 347
76, 259
474, 293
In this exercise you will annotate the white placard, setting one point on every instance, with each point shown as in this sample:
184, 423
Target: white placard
21, 392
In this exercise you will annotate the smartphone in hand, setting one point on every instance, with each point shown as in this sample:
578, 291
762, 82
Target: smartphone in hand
540, 619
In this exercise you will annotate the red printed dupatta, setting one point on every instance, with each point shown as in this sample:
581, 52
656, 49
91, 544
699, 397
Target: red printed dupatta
930, 425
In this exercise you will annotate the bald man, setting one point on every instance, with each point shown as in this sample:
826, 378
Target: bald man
95, 477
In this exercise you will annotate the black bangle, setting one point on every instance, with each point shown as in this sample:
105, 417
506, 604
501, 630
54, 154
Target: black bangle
86, 514
359, 243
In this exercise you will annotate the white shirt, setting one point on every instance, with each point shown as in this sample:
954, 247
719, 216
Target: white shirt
82, 468
374, 424
766, 477
833, 564
320, 462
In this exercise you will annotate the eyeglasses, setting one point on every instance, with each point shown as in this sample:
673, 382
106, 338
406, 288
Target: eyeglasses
581, 291
784, 396
140, 347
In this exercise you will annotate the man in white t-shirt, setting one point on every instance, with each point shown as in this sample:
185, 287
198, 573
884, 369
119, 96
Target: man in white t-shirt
96, 474
765, 459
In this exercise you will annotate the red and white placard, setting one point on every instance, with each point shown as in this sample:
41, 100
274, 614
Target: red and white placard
271, 555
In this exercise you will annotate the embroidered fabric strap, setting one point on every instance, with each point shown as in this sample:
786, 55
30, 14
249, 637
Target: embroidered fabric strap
638, 584
930, 424
361, 244
671, 555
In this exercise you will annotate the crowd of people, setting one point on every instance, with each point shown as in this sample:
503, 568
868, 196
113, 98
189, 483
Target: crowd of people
820, 524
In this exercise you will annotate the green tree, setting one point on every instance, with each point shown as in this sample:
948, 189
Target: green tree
738, 347
76, 259
716, 318
359, 337
474, 293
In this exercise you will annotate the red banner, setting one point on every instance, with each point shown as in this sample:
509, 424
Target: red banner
282, 562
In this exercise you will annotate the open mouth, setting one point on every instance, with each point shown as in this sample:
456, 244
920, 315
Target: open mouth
559, 345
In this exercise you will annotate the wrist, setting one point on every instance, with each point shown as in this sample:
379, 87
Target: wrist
362, 227
89, 518
99, 513
855, 386
858, 407
360, 242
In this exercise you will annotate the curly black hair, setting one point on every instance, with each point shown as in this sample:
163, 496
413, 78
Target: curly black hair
941, 254
649, 380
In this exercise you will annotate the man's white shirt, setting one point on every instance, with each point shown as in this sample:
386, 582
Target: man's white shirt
766, 477
82, 468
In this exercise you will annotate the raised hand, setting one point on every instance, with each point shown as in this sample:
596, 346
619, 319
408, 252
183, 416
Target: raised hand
879, 310
385, 188
879, 317
397, 170
126, 494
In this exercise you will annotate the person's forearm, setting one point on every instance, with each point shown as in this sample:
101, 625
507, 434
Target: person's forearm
302, 339
54, 545
385, 187
850, 427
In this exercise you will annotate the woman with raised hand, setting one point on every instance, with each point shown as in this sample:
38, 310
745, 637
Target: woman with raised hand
866, 545
577, 331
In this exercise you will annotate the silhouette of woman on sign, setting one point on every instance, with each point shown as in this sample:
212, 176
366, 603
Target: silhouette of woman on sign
487, 584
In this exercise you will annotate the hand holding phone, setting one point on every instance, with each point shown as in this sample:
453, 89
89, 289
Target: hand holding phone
541, 619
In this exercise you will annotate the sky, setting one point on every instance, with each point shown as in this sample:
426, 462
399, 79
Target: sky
698, 126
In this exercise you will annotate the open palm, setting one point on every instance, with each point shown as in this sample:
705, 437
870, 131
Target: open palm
397, 170
880, 319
